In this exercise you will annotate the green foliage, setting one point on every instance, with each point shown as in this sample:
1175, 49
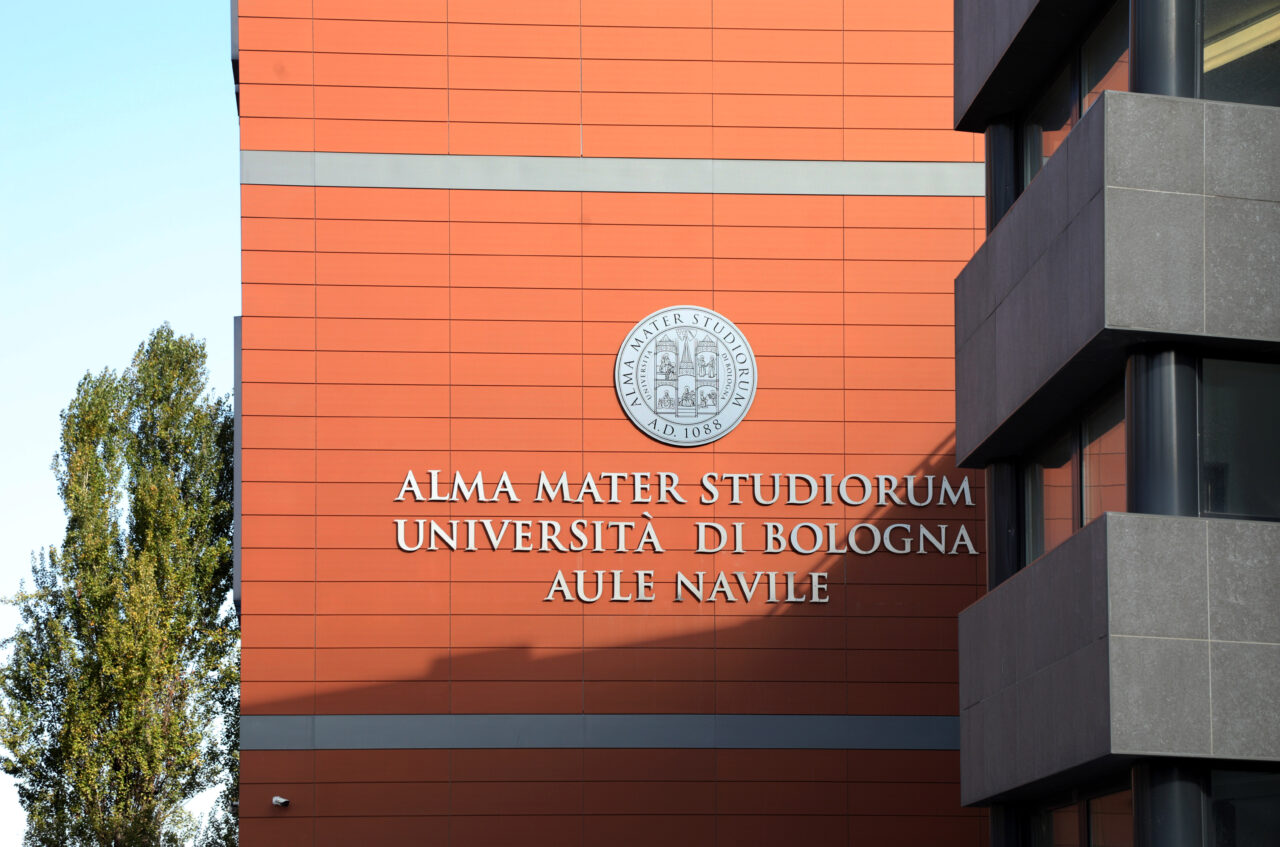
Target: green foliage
119, 697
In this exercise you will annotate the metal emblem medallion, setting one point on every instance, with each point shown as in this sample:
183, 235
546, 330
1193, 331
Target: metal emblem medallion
685, 375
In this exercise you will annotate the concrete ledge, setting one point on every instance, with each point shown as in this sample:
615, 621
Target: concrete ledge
1141, 635
1138, 229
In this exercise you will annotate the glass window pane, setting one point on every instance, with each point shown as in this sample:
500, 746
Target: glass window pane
1242, 51
1066, 826
1051, 496
1104, 59
1240, 453
1047, 125
1111, 820
1103, 471
1246, 808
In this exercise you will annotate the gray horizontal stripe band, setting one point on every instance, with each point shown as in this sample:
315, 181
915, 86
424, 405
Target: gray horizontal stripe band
573, 173
416, 732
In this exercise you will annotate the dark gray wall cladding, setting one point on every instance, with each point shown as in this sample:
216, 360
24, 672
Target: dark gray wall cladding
1139, 635
1002, 51
1158, 217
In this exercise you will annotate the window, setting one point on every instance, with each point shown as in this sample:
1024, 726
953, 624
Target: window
1242, 51
1246, 808
1099, 63
1075, 478
1105, 821
1239, 450
1111, 820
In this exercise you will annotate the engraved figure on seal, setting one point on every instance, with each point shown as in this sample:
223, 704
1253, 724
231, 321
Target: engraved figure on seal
686, 374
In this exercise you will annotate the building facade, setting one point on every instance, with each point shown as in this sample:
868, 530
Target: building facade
595, 423
1118, 369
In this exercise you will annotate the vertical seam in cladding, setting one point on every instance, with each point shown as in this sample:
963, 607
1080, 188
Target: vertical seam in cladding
315, 419
448, 283
1208, 628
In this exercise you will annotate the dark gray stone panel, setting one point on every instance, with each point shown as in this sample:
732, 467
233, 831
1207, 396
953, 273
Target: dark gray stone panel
1242, 256
1242, 149
1155, 143
1159, 696
1156, 576
1246, 691
1084, 150
1244, 581
1154, 263
976, 380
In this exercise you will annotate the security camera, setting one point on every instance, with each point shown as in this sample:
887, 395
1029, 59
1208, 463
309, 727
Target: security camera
279, 801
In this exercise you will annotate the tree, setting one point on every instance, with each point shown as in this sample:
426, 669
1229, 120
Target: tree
119, 693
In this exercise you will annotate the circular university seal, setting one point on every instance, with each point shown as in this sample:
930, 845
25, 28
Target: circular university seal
685, 375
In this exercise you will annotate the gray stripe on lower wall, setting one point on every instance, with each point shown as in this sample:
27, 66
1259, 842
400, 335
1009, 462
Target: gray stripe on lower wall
414, 732
573, 173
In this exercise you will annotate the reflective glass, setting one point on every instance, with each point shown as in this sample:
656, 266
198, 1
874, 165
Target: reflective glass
1242, 51
1047, 124
1104, 58
1103, 471
1111, 820
1240, 452
1051, 496
1246, 808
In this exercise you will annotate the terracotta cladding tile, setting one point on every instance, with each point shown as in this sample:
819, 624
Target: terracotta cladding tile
274, 766
936, 341
769, 274
779, 633
657, 13
367, 301
278, 630
907, 244
895, 698
650, 798
516, 765
911, 601
909, 145
515, 139
405, 104
668, 663
277, 234
634, 42
264, 431
516, 238
381, 10
383, 698
777, 45
277, 201
275, 67
643, 208
901, 79
804, 14
778, 242
278, 498
384, 368
906, 212
382, 204
867, 372
515, 271
781, 766
897, 113
348, 36
277, 266
777, 143
294, 531
279, 398
404, 664
792, 665
388, 433
534, 631
277, 300
276, 665
378, 765
776, 78
543, 697
277, 698
900, 275
276, 101
505, 39
514, 369
503, 403
778, 110
646, 75
384, 335
277, 134
382, 798
533, 107
750, 830
647, 141
631, 697
275, 34
781, 798
513, 74
903, 766
516, 206
902, 666
278, 832
918, 47
938, 406
286, 464
275, 9
520, 663
799, 371
564, 12
639, 830
381, 69
647, 108
916, 829
384, 564
279, 566
382, 598
646, 240
471, 336
382, 268
898, 309
381, 136
419, 401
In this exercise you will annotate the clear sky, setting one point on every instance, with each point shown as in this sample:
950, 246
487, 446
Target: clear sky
119, 210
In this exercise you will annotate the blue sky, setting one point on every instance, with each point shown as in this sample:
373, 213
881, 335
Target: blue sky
119, 210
